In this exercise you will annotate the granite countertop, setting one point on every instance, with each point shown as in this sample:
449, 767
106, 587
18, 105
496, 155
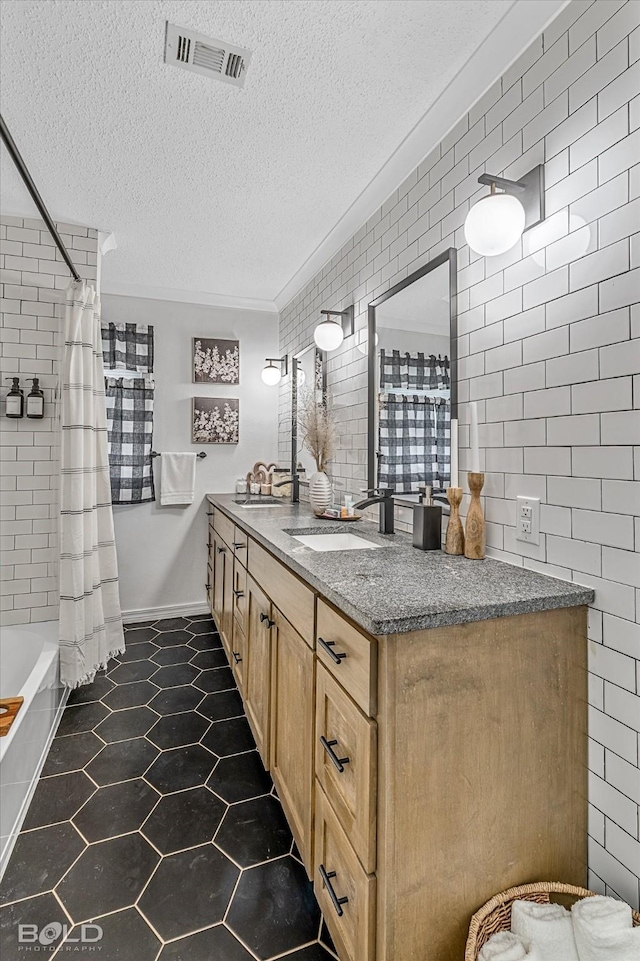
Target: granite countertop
398, 588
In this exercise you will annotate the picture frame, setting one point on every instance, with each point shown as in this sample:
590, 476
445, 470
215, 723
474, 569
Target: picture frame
216, 360
215, 420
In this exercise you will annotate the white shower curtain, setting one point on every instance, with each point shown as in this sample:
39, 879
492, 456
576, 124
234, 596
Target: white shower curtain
90, 617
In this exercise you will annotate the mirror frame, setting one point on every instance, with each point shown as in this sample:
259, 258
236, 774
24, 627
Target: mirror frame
295, 363
450, 257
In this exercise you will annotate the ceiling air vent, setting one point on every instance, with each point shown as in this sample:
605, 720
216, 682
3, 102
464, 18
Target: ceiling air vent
212, 58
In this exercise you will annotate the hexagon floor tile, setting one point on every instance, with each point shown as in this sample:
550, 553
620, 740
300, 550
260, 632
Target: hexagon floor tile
187, 841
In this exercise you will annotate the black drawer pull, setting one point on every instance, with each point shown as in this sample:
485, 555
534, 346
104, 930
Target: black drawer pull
236, 656
221, 550
265, 617
326, 882
239, 544
207, 587
338, 762
238, 594
328, 647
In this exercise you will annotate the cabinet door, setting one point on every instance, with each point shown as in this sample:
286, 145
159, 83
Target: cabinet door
257, 691
219, 572
238, 656
228, 596
240, 594
292, 722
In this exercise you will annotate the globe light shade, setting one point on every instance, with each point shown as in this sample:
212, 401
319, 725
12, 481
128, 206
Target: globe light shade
328, 335
271, 375
494, 225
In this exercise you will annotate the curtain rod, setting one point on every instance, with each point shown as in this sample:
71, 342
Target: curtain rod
22, 169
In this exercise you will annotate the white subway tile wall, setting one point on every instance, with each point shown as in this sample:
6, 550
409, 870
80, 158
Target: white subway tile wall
549, 334
33, 280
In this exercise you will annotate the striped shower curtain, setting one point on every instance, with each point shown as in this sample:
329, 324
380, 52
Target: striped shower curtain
90, 617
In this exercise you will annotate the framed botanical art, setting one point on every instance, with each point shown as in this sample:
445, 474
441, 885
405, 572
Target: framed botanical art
216, 361
215, 420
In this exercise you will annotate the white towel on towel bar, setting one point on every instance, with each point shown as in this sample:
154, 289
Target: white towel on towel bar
548, 927
177, 478
604, 930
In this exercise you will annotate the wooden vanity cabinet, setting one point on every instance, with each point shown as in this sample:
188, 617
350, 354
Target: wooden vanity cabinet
292, 730
420, 773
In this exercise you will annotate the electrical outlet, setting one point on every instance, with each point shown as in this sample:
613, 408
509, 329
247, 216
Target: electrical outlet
528, 519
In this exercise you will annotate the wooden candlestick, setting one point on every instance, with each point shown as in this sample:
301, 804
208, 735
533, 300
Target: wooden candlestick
454, 541
475, 532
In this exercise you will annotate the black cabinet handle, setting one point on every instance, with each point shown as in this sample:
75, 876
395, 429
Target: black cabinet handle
207, 587
221, 550
265, 617
326, 882
239, 544
328, 647
238, 594
338, 762
236, 656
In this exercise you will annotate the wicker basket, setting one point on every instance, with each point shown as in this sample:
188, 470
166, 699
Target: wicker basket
495, 915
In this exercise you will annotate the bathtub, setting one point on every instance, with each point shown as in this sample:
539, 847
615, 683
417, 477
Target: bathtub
29, 668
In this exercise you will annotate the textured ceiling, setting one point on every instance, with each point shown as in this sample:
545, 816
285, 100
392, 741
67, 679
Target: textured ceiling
208, 187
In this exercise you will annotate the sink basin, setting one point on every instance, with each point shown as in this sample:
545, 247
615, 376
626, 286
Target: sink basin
335, 542
265, 501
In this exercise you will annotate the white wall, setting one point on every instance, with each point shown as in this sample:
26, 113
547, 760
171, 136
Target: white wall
33, 281
162, 550
549, 346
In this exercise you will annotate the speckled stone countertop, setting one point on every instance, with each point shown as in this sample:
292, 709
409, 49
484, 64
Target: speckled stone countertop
398, 588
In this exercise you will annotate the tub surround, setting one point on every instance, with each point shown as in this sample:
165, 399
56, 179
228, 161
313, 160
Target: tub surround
399, 589
423, 718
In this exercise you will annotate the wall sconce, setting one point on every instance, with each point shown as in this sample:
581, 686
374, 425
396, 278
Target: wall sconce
495, 223
330, 333
275, 369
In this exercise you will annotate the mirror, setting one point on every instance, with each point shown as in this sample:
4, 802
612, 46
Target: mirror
308, 373
412, 387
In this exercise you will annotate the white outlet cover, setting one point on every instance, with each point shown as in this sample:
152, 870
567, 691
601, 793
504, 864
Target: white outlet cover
528, 519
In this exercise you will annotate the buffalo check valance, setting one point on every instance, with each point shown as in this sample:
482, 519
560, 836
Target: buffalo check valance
128, 353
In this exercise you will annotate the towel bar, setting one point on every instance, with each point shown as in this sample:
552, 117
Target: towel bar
200, 455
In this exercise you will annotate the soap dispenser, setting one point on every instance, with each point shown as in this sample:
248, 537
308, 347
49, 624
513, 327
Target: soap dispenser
35, 399
427, 522
15, 399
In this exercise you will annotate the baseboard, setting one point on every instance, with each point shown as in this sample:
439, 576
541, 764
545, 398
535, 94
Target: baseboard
158, 613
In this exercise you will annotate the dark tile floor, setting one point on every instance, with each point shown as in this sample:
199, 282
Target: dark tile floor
155, 819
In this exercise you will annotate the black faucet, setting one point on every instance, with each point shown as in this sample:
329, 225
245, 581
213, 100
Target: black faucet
384, 497
294, 480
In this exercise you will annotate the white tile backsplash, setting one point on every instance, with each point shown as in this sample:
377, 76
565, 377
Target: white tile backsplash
550, 350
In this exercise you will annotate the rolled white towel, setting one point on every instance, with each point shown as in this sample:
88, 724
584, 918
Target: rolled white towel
547, 927
604, 931
505, 946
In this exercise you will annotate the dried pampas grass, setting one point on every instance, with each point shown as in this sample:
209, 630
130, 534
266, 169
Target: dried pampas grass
319, 428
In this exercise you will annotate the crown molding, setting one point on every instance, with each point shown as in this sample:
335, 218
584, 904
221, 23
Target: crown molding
189, 297
521, 24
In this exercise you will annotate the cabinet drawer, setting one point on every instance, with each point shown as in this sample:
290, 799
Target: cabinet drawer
224, 527
284, 589
240, 545
349, 656
350, 912
346, 764
240, 595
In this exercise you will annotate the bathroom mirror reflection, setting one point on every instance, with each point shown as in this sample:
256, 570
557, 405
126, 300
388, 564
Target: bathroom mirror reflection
413, 381
308, 374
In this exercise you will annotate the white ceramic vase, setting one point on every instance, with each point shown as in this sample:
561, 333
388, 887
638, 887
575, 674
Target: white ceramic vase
320, 493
